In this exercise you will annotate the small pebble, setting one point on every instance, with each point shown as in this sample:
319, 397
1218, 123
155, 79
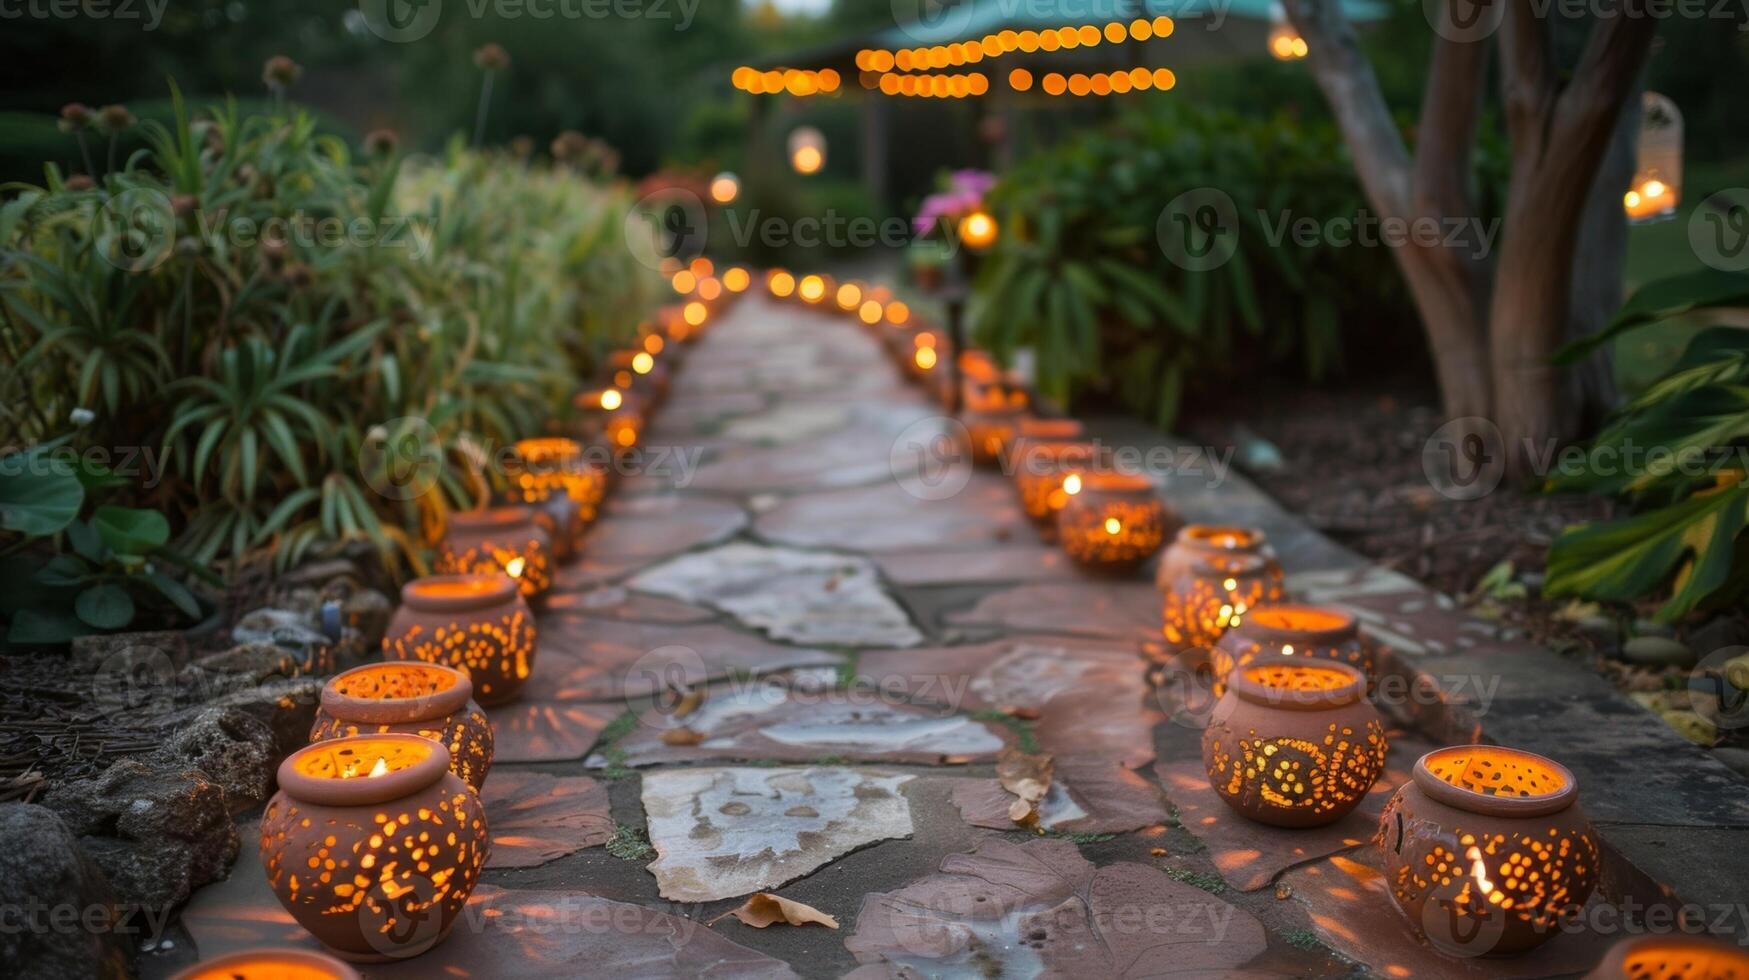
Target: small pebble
1158, 852
1657, 651
1283, 890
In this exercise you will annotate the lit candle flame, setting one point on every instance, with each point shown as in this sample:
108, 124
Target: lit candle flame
1113, 525
1072, 484
611, 400
1479, 870
381, 768
514, 566
643, 363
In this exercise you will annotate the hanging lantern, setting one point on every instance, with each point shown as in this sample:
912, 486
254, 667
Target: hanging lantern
430, 700
1656, 189
1294, 743
725, 187
475, 623
807, 150
1289, 630
373, 845
1285, 42
1486, 850
1211, 578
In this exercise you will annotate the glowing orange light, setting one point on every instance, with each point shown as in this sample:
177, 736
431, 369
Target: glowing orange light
513, 568
926, 357
654, 344
695, 313
849, 296
725, 188
737, 280
978, 230
1020, 80
643, 363
870, 313
781, 284
684, 282
813, 289
1072, 484
612, 399
808, 160
898, 313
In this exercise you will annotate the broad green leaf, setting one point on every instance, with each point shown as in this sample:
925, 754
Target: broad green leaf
105, 607
131, 530
39, 494
37, 627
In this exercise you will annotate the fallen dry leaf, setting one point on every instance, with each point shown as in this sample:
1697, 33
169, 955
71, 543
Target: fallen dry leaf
764, 909
682, 736
1028, 777
689, 702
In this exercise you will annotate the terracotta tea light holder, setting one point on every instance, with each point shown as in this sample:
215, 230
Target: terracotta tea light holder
642, 372
1486, 849
1211, 577
1114, 522
432, 701
989, 432
270, 964
1294, 743
556, 466
611, 417
499, 540
1293, 630
373, 845
478, 624
1672, 957
1044, 453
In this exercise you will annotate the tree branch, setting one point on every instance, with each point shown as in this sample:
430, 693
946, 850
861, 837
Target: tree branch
1450, 110
1352, 90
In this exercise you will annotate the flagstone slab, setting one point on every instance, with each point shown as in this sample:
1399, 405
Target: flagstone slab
1088, 794
785, 424
1128, 611
1026, 909
643, 529
843, 459
725, 832
797, 596
536, 817
1351, 909
970, 566
900, 515
618, 602
541, 729
773, 721
529, 934
582, 659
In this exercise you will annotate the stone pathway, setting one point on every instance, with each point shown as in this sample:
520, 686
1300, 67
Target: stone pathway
864, 655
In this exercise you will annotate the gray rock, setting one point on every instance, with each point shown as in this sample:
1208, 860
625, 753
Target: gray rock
289, 630
157, 829
233, 748
111, 651
368, 611
1737, 759
43, 869
1651, 627
286, 707
1720, 633
1598, 626
1657, 651
247, 662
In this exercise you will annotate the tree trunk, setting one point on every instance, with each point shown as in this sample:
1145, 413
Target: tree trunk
1599, 268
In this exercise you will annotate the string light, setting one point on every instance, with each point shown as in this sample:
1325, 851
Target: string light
798, 82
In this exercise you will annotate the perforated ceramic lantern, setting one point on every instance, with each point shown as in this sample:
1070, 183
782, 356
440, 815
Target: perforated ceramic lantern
642, 372
1114, 522
1045, 452
1294, 743
430, 700
270, 964
477, 624
373, 845
1211, 578
1672, 957
499, 540
1293, 630
545, 467
611, 417
989, 431
1485, 849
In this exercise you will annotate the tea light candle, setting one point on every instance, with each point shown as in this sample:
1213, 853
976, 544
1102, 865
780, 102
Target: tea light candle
1292, 630
1486, 850
505, 540
1294, 743
1114, 522
1211, 578
373, 845
270, 964
478, 624
430, 700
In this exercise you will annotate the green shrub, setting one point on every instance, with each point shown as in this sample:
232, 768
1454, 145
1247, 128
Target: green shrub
468, 292
1080, 274
1677, 452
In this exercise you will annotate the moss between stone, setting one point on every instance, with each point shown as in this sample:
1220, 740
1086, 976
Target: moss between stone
629, 843
1213, 884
